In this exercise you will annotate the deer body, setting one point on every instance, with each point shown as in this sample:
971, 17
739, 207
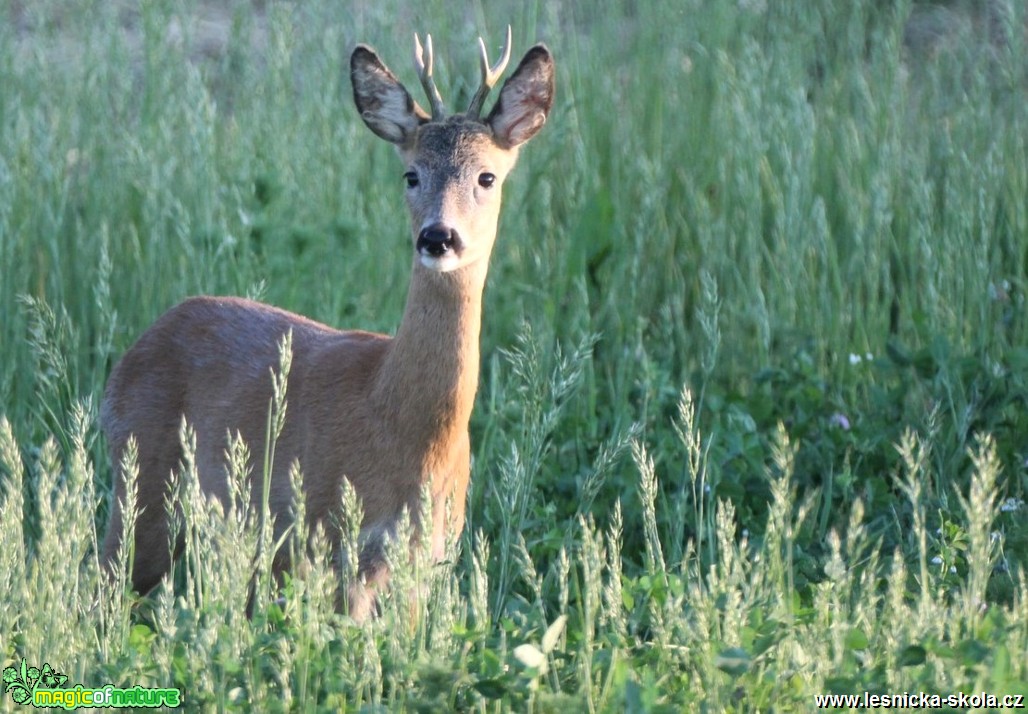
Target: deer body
389, 414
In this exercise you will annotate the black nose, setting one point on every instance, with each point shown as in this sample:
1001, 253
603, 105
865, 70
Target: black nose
437, 240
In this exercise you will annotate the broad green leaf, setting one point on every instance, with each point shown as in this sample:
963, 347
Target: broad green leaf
911, 655
734, 660
856, 639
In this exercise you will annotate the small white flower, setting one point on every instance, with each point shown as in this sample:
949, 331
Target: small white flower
869, 357
953, 569
1011, 505
855, 359
995, 536
937, 560
1000, 292
839, 420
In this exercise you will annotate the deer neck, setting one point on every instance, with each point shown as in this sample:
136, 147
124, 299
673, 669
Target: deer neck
427, 383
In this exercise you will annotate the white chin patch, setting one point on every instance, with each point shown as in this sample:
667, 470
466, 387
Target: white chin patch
441, 264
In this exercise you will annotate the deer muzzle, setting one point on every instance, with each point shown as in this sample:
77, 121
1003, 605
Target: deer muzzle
437, 240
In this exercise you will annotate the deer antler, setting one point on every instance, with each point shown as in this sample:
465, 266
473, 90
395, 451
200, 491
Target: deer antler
490, 75
423, 64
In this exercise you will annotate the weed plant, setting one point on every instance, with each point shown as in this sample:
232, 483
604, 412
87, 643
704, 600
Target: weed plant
754, 401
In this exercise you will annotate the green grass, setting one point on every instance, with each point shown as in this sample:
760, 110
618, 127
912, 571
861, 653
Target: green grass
763, 438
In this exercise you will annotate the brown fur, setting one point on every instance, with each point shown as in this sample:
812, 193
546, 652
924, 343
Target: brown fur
389, 414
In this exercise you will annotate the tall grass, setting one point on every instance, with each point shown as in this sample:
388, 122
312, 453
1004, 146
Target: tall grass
763, 438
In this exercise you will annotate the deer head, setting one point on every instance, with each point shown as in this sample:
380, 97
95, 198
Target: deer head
455, 164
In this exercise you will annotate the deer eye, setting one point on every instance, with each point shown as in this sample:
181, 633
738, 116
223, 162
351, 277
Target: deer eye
486, 180
411, 178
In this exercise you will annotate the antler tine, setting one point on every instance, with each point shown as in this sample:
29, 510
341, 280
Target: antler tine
490, 75
423, 64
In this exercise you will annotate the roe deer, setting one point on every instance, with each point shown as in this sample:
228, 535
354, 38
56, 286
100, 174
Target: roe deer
389, 414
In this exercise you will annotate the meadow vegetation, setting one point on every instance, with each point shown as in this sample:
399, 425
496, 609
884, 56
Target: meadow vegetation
753, 416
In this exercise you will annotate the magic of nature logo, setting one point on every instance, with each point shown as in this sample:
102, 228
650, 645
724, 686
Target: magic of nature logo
44, 687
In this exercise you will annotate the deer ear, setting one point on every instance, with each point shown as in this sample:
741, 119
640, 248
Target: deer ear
384, 104
525, 99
